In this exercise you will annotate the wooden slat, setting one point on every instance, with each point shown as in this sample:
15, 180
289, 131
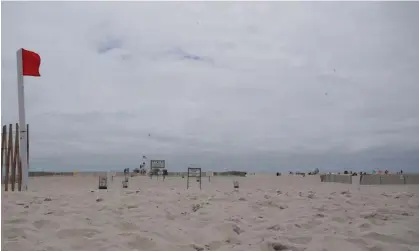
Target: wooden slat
3, 148
18, 163
13, 159
8, 157
19, 168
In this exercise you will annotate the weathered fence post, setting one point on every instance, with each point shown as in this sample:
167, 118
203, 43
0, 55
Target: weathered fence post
9, 157
15, 156
3, 148
18, 163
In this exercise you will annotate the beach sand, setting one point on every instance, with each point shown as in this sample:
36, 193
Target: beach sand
267, 213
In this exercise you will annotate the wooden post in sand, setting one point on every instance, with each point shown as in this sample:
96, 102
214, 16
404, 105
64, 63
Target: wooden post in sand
10, 157
3, 148
17, 162
15, 157
7, 153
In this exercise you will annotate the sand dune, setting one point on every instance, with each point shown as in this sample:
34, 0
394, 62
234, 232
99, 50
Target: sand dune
267, 213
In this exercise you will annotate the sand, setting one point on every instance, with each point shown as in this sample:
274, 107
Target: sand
266, 213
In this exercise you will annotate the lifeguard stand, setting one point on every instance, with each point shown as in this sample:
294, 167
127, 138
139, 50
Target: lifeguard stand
103, 182
236, 185
194, 173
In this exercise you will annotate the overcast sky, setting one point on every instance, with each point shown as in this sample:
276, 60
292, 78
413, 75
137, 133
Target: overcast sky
245, 86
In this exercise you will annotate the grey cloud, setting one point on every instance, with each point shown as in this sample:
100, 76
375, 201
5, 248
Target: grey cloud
222, 85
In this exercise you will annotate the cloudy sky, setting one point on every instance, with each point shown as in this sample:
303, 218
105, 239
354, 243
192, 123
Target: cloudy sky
245, 86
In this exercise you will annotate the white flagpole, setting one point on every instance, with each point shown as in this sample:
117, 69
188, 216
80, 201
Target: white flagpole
22, 121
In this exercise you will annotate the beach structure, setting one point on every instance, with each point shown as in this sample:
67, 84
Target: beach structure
155, 167
194, 172
338, 178
389, 179
231, 173
103, 182
373, 179
236, 185
11, 162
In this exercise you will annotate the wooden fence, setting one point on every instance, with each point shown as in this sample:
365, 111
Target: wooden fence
10, 159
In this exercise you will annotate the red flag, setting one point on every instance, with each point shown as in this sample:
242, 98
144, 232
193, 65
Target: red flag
30, 63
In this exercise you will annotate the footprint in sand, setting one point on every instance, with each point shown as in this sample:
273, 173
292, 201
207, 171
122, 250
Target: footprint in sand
49, 248
339, 219
229, 229
13, 233
391, 239
127, 226
77, 232
139, 242
15, 221
301, 240
275, 246
357, 241
45, 224
365, 226
214, 245
310, 224
275, 227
